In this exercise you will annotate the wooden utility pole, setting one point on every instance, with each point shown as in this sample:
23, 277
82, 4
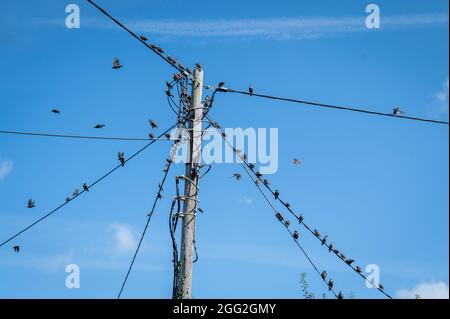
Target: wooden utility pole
184, 280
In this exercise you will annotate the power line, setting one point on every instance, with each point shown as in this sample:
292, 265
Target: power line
158, 197
82, 137
344, 108
83, 191
155, 49
300, 218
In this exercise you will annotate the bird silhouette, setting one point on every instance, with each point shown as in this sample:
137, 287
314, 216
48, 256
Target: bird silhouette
67, 199
277, 194
296, 235
172, 60
266, 182
76, 193
287, 205
330, 247
397, 112
349, 262
143, 38
251, 89
181, 66
279, 217
380, 286
324, 240
153, 124
301, 219
152, 136
296, 162
99, 126
116, 64
330, 284
221, 84
237, 176
56, 111
31, 203
16, 249
121, 157
358, 269
85, 187
189, 71
316, 233
169, 85
340, 296
168, 93
287, 223
324, 275
343, 256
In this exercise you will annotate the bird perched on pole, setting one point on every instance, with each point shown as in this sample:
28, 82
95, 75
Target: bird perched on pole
116, 64
31, 203
153, 124
85, 187
397, 112
121, 158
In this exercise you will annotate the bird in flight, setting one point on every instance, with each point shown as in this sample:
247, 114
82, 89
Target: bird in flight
237, 176
296, 161
56, 111
121, 157
397, 112
153, 124
16, 249
31, 203
99, 126
116, 64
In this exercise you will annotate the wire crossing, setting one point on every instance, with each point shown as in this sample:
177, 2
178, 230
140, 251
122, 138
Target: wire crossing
83, 191
300, 218
83, 137
330, 106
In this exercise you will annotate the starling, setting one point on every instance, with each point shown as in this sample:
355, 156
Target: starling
31, 203
251, 166
168, 93
287, 205
168, 136
330, 284
330, 248
143, 38
324, 240
237, 176
397, 112
76, 193
189, 71
153, 124
177, 77
67, 199
56, 111
266, 182
349, 262
181, 66
358, 269
279, 217
301, 219
340, 296
380, 286
99, 126
116, 64
221, 84
277, 194
296, 162
169, 85
296, 235
251, 89
343, 256
201, 210
121, 157
152, 136
16, 249
172, 60
324, 275
287, 223
259, 175
85, 187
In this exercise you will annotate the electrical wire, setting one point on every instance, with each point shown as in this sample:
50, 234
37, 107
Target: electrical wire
82, 192
344, 108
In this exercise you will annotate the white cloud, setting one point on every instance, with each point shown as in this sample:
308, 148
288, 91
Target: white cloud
125, 241
430, 290
6, 167
267, 28
440, 105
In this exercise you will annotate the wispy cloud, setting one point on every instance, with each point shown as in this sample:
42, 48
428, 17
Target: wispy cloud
267, 28
125, 240
430, 290
440, 105
6, 167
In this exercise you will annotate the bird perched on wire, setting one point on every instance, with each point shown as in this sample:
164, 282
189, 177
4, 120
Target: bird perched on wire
358, 269
349, 262
143, 38
169, 94
31, 203
67, 199
380, 286
152, 136
237, 176
181, 66
221, 84
251, 89
85, 187
276, 194
316, 233
330, 284
324, 275
397, 112
76, 193
342, 256
296, 162
324, 240
172, 60
279, 217
56, 111
16, 249
121, 158
169, 85
301, 219
99, 126
287, 223
153, 124
116, 64
266, 182
296, 235
287, 205
330, 247
340, 296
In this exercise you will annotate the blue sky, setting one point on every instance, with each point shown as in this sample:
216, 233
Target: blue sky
377, 187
